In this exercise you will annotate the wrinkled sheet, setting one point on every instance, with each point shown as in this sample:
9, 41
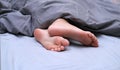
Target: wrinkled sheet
24, 53
23, 16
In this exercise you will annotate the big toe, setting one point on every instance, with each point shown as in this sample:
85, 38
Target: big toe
65, 42
61, 43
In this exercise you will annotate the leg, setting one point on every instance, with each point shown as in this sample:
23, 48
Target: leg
55, 43
62, 28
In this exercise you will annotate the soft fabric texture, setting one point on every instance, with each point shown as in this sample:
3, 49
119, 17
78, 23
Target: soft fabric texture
24, 53
23, 16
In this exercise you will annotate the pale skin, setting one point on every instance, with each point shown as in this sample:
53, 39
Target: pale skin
54, 37
55, 43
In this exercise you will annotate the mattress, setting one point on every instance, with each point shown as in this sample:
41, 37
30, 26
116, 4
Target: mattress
25, 53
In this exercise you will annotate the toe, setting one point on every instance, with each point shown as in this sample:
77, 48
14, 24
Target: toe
55, 49
57, 41
94, 41
65, 42
58, 49
91, 35
62, 48
52, 49
88, 40
95, 44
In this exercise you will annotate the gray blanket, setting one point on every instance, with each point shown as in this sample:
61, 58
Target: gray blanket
23, 16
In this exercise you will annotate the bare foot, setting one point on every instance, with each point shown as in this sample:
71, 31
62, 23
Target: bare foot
61, 27
55, 43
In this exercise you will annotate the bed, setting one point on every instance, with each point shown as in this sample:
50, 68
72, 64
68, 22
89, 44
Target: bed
20, 51
25, 53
